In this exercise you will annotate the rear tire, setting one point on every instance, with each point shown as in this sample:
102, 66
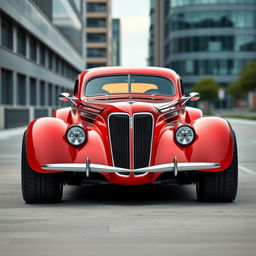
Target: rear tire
220, 186
39, 187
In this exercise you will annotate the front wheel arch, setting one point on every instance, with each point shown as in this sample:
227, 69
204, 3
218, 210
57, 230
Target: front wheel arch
220, 186
39, 187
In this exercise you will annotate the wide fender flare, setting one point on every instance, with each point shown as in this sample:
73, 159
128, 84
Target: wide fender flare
213, 143
46, 143
65, 114
192, 114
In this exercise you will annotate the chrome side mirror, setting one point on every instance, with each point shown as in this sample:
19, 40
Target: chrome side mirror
193, 96
64, 96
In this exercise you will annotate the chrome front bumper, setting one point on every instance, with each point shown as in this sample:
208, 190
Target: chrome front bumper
88, 167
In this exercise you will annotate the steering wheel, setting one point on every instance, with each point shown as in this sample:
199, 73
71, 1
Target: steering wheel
151, 91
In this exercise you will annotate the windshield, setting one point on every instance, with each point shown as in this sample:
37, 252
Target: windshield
127, 84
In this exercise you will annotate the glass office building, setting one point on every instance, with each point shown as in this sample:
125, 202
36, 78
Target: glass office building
41, 52
116, 38
208, 38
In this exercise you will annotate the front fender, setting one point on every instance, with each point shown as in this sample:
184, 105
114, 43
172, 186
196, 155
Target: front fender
65, 114
46, 143
213, 143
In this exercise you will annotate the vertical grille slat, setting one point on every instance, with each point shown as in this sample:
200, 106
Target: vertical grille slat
119, 130
143, 125
120, 139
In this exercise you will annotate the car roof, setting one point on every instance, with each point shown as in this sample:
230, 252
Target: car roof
105, 71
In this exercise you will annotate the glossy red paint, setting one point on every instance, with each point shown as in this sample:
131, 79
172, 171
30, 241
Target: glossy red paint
46, 141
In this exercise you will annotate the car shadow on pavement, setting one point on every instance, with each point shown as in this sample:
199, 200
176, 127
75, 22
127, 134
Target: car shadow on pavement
126, 195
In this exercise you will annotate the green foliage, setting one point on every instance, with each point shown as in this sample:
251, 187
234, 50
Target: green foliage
247, 78
207, 88
235, 90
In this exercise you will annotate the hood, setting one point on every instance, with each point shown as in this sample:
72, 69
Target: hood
101, 107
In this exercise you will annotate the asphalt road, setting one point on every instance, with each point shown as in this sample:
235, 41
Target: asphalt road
113, 220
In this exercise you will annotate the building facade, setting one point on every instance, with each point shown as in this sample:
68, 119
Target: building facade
207, 38
99, 33
156, 33
116, 39
37, 58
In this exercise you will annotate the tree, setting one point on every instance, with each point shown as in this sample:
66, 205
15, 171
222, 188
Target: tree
235, 90
207, 88
247, 78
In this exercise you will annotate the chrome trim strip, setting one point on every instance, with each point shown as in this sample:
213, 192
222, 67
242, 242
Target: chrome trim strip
66, 167
168, 105
70, 167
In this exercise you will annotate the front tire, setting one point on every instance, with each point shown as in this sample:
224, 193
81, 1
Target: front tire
220, 186
39, 187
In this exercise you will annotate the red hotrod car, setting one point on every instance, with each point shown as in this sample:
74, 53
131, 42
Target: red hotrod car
129, 126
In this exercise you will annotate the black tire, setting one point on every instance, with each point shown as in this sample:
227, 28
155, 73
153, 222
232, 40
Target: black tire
39, 187
220, 186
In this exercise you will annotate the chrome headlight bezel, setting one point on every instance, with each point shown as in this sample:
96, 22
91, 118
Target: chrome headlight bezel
191, 130
82, 132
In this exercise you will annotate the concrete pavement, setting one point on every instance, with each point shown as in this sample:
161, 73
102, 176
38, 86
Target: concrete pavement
114, 220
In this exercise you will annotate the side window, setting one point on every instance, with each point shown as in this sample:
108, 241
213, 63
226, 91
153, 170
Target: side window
75, 92
181, 87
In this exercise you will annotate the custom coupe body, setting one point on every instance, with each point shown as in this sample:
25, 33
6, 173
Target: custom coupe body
129, 126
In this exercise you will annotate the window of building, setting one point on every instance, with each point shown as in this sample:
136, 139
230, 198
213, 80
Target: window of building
65, 69
208, 67
189, 68
50, 60
56, 95
42, 93
212, 19
230, 66
93, 37
223, 67
50, 102
57, 64
42, 54
245, 43
96, 52
21, 41
7, 87
33, 50
33, 91
249, 43
96, 7
21, 90
62, 67
214, 44
96, 22
7, 33
95, 65
177, 3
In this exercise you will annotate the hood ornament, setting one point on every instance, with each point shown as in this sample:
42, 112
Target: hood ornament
131, 101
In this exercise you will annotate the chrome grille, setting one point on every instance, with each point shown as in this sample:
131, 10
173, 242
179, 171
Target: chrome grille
119, 130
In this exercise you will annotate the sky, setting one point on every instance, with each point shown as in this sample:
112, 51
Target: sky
134, 16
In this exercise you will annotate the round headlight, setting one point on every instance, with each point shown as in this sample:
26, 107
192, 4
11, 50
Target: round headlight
185, 135
76, 135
